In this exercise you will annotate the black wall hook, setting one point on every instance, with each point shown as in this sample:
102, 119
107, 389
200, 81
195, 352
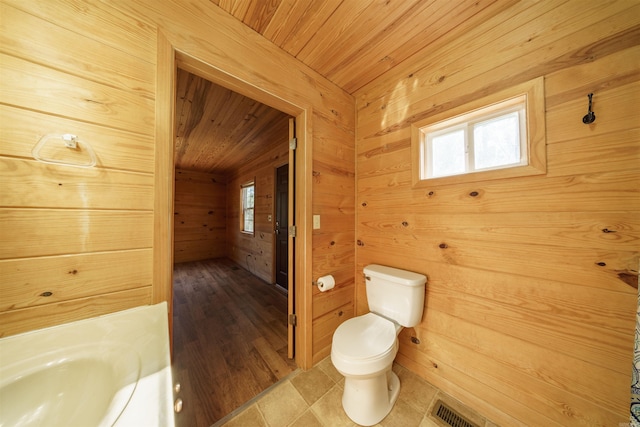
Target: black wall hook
591, 116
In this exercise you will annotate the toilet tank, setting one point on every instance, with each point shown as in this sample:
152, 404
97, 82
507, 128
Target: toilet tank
395, 294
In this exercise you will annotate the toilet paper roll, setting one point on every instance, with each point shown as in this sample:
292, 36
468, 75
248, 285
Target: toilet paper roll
326, 282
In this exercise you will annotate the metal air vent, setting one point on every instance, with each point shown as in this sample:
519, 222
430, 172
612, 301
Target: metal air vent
449, 416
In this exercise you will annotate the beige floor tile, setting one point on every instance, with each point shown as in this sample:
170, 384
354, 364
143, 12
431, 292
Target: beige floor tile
327, 367
414, 390
428, 422
402, 415
328, 409
249, 417
314, 398
312, 384
282, 405
307, 419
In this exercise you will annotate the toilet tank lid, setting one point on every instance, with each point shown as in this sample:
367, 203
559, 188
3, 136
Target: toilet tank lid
403, 277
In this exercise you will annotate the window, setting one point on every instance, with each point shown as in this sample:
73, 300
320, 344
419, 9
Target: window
490, 138
247, 200
495, 137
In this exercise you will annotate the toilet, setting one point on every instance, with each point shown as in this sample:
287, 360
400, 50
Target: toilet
364, 347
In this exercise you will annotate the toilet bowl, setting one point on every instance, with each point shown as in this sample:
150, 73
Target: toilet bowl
363, 351
363, 348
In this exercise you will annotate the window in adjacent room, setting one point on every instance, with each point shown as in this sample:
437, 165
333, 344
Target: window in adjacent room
498, 136
247, 200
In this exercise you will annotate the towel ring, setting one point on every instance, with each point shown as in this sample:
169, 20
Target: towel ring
70, 141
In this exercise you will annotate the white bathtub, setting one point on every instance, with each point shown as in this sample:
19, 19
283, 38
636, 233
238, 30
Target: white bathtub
112, 370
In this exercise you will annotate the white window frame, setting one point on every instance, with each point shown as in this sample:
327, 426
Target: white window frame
247, 210
532, 135
467, 125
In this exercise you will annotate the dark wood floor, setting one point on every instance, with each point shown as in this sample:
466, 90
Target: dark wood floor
229, 338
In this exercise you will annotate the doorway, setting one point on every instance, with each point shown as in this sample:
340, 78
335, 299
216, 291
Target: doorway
168, 60
231, 334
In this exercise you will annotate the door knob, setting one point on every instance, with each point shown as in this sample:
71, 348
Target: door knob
177, 406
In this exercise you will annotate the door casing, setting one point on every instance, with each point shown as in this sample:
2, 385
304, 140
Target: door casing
169, 58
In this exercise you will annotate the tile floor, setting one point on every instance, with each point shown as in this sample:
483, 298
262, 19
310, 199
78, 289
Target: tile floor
314, 398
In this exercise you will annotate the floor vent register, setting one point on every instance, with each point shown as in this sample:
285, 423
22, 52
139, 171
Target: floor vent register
450, 417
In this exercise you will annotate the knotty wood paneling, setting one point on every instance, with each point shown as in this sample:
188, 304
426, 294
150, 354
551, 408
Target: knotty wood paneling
83, 99
219, 130
122, 150
104, 90
71, 277
333, 243
23, 32
352, 43
16, 321
256, 252
67, 231
76, 242
232, 54
532, 289
59, 186
200, 223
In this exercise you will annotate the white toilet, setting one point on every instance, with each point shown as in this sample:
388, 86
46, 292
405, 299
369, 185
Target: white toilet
364, 347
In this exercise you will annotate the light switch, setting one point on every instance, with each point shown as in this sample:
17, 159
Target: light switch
316, 222
269, 218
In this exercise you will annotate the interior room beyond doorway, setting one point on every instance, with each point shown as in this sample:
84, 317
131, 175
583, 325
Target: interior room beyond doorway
230, 338
222, 141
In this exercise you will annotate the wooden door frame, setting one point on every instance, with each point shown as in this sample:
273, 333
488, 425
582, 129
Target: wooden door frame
169, 57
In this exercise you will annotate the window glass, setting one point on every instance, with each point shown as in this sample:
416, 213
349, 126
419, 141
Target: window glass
448, 153
248, 196
486, 139
497, 142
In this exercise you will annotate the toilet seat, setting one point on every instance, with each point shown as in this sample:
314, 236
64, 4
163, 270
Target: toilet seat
364, 345
364, 337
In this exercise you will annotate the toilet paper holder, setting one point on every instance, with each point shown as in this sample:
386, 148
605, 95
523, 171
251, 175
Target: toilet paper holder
325, 283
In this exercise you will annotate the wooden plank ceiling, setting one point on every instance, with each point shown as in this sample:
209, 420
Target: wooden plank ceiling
350, 42
218, 130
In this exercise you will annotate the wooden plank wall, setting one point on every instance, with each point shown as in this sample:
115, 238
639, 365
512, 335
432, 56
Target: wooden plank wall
200, 220
82, 236
232, 47
532, 289
333, 243
255, 251
60, 220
